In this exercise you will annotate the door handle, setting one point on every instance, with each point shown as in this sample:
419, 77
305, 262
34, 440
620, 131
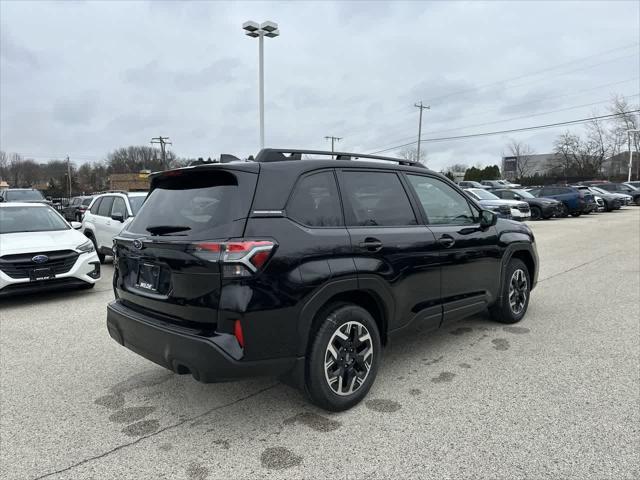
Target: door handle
446, 241
371, 244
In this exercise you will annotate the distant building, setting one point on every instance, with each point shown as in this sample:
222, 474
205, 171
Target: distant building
618, 165
129, 182
531, 164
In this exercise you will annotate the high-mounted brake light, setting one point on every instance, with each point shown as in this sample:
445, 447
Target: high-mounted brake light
240, 259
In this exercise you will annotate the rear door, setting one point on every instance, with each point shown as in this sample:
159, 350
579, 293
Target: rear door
168, 257
391, 245
469, 255
103, 222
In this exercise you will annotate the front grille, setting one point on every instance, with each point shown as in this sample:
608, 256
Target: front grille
20, 265
523, 208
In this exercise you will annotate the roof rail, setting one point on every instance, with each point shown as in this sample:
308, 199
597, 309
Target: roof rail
278, 155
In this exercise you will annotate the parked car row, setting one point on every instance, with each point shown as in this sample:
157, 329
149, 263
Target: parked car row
551, 200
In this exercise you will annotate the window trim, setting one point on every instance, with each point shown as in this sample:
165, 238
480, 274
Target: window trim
472, 205
345, 201
299, 180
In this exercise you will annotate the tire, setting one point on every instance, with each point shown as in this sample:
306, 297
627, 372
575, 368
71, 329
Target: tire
101, 256
503, 311
536, 213
346, 388
576, 214
564, 210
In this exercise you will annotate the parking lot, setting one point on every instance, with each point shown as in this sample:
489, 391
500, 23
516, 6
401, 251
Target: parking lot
555, 396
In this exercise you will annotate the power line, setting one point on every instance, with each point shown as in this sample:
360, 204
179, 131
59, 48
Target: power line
533, 73
513, 130
539, 114
537, 101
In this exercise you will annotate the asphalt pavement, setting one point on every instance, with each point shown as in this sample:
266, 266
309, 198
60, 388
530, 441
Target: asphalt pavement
555, 396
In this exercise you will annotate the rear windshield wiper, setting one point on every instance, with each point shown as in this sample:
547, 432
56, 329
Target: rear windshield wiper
166, 229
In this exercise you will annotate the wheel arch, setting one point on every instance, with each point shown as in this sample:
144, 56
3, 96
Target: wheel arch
346, 290
523, 252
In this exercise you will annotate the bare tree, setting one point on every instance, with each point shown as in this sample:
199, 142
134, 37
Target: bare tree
523, 153
4, 160
411, 153
15, 168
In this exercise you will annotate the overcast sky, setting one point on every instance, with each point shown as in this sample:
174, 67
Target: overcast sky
83, 78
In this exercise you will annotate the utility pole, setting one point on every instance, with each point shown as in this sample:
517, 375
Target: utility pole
333, 140
421, 107
69, 174
162, 141
629, 132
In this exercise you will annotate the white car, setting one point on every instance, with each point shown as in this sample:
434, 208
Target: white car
108, 214
519, 210
39, 250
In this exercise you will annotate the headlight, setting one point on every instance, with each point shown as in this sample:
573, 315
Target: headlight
86, 247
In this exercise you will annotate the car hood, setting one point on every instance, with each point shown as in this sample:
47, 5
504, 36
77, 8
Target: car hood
27, 242
545, 200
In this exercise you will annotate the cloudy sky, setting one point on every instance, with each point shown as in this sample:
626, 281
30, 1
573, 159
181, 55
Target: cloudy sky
83, 78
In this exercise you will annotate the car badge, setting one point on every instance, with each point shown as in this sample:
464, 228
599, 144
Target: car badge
40, 259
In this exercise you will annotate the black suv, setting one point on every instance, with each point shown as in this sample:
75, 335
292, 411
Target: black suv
305, 269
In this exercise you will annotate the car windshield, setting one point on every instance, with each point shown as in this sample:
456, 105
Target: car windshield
136, 203
524, 194
483, 194
30, 219
24, 195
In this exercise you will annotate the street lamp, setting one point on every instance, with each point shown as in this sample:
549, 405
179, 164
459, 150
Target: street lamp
259, 31
631, 152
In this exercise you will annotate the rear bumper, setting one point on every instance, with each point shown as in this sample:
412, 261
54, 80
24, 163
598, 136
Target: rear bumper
208, 359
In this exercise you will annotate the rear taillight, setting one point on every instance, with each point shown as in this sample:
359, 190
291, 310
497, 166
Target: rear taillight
239, 259
237, 332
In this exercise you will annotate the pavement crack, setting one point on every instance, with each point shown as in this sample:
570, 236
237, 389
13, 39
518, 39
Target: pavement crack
578, 266
164, 429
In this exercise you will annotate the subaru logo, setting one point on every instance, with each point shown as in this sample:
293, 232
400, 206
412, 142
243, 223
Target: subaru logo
137, 243
40, 259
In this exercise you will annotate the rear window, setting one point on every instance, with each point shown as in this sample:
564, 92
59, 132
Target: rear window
24, 195
87, 201
200, 205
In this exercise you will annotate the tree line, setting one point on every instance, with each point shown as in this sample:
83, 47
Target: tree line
87, 177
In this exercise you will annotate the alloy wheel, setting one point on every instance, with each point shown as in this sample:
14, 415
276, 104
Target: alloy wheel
348, 358
518, 291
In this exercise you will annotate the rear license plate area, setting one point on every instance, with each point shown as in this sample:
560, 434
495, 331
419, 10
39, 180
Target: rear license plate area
41, 274
148, 277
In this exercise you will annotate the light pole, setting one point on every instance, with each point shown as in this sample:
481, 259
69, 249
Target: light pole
259, 31
631, 152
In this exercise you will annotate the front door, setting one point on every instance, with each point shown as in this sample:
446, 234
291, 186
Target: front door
391, 246
470, 255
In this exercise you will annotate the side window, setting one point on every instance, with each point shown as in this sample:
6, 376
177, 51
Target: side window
442, 204
315, 201
105, 207
507, 195
376, 199
119, 207
96, 206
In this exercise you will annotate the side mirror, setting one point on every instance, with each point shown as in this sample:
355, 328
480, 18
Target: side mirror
117, 216
488, 218
76, 225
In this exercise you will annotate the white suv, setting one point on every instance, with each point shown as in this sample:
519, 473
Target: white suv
107, 216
